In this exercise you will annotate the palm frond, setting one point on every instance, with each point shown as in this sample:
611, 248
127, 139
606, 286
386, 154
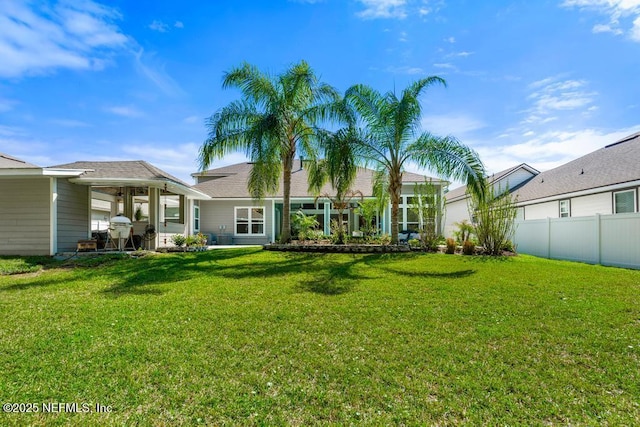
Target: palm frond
450, 159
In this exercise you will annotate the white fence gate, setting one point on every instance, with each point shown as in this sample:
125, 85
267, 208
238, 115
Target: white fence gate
601, 239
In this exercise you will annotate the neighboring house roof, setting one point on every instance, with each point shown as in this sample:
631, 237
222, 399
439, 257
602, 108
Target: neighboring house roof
11, 167
617, 163
10, 162
131, 172
461, 192
231, 182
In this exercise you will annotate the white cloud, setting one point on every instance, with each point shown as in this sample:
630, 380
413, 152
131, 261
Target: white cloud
179, 159
125, 111
155, 72
446, 65
618, 12
635, 31
383, 9
450, 40
192, 119
604, 28
403, 37
406, 70
38, 38
178, 24
551, 95
159, 26
547, 150
69, 123
462, 54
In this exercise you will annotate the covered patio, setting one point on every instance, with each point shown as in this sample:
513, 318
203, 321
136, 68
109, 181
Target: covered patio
158, 204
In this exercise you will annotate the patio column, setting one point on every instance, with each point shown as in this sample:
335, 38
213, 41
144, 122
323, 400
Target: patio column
154, 206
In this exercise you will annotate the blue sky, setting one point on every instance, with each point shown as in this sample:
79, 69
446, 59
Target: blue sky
541, 82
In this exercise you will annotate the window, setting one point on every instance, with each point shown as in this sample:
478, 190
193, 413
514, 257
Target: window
196, 218
565, 208
624, 201
250, 221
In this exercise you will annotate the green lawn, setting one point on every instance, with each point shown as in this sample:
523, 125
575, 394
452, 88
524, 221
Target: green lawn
251, 337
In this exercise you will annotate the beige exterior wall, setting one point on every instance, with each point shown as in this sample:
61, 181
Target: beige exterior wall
25, 216
455, 212
73, 207
214, 214
542, 210
592, 204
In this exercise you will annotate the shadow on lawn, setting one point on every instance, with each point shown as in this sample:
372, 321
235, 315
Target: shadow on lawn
336, 278
460, 274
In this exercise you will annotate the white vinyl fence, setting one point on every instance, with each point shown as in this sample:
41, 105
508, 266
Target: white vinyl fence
601, 239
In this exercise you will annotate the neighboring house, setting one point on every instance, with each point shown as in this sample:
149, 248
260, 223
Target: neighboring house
45, 211
457, 201
585, 210
232, 214
604, 182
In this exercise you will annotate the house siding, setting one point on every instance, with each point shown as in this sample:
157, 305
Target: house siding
542, 210
73, 208
216, 213
512, 180
593, 204
25, 216
455, 212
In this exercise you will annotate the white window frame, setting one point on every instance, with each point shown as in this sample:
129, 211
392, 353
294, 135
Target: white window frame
568, 210
196, 218
632, 190
250, 219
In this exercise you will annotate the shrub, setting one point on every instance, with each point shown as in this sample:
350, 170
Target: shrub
451, 246
201, 239
509, 246
495, 216
303, 224
191, 240
465, 229
178, 239
468, 248
414, 243
385, 239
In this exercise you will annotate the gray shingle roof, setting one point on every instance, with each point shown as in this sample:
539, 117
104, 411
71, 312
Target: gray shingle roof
231, 182
461, 192
10, 162
616, 163
132, 169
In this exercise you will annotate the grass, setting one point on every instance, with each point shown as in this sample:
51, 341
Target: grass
252, 337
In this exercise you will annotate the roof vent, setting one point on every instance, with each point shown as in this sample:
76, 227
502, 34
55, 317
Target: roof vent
582, 171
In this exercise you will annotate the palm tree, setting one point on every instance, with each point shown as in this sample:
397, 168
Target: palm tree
394, 138
276, 117
338, 166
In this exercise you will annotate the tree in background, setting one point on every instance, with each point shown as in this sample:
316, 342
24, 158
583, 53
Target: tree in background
494, 219
276, 117
428, 207
393, 138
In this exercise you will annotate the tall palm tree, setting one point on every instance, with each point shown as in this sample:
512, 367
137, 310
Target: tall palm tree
394, 138
276, 118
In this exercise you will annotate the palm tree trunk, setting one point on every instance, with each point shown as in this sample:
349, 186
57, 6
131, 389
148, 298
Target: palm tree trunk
395, 187
286, 202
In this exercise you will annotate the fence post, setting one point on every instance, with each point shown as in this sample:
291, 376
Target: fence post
598, 220
548, 237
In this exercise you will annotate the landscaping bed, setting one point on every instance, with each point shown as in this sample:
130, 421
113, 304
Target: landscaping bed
331, 248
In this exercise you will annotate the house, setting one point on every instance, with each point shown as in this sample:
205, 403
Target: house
47, 210
233, 216
585, 210
603, 182
457, 200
